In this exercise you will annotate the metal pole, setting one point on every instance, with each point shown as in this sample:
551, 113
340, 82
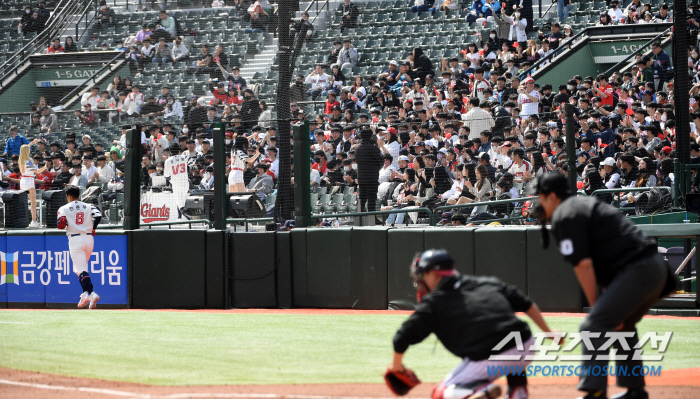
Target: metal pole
219, 178
570, 145
132, 179
681, 80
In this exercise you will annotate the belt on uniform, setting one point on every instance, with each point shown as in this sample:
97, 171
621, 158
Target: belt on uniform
76, 235
27, 176
237, 169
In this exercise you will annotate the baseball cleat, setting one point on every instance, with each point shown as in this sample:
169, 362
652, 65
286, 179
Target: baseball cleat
594, 395
519, 392
492, 392
93, 299
84, 299
632, 394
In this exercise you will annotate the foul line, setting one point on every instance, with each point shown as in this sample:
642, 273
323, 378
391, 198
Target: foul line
178, 395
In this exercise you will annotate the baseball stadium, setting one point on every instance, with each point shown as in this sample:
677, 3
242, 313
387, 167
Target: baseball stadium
349, 199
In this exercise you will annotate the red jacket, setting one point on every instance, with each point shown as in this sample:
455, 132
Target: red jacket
54, 50
47, 179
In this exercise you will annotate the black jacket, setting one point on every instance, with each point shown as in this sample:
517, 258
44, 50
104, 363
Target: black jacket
423, 67
369, 162
502, 120
470, 315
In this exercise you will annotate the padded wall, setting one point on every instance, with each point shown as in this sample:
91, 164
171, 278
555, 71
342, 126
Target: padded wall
459, 242
369, 261
501, 252
403, 245
168, 269
551, 281
216, 273
284, 270
253, 261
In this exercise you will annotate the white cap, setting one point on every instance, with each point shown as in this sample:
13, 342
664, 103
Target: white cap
443, 150
86, 135
609, 161
394, 63
403, 158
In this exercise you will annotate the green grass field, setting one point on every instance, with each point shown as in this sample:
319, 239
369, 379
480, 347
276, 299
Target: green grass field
180, 348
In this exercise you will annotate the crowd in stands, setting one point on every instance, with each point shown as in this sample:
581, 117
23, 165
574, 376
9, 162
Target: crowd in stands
34, 19
466, 130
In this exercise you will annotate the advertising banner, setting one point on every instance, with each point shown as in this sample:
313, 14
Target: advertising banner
39, 269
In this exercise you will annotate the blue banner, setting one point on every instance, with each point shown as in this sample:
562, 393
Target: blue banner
44, 269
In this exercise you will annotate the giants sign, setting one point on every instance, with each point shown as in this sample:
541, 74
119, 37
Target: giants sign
158, 207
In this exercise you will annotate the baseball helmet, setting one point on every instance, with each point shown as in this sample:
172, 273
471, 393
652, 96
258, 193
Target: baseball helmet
432, 259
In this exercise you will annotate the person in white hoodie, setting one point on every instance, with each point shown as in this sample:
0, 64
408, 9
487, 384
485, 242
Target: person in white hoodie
179, 51
517, 28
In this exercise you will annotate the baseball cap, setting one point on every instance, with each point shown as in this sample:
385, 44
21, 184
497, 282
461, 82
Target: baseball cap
403, 158
394, 63
609, 161
667, 150
484, 156
583, 154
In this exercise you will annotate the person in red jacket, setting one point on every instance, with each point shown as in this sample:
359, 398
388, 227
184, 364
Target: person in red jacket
56, 47
330, 103
45, 177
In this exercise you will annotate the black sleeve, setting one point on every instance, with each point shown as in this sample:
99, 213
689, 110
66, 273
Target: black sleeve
415, 329
519, 302
571, 234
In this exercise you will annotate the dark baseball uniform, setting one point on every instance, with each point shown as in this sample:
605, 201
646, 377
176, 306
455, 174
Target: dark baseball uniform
470, 315
628, 269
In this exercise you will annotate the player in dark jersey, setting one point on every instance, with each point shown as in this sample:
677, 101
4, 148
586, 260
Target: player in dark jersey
609, 253
470, 315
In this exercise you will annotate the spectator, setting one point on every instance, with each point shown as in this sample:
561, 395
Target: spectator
426, 5
173, 108
63, 178
347, 58
104, 18
478, 118
318, 81
78, 179
70, 46
563, 9
332, 58
163, 53
553, 37
235, 79
36, 24
615, 13
218, 4
56, 47
86, 117
528, 99
350, 12
297, 89
25, 23
151, 108
92, 97
265, 118
143, 33
116, 86
44, 14
167, 22
14, 142
179, 51
369, 162
49, 121
146, 53
258, 17
133, 101
304, 30
422, 64
262, 183
662, 58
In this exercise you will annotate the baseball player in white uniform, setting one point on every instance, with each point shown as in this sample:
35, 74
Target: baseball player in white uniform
176, 169
80, 221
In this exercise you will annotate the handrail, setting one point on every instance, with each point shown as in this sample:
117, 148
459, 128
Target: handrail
389, 212
473, 204
551, 55
60, 14
246, 221
108, 63
627, 190
190, 222
87, 23
639, 49
317, 10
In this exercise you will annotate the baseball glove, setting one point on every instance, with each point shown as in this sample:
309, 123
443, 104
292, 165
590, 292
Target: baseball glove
401, 383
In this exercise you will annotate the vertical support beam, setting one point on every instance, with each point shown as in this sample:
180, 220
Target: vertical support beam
570, 145
302, 184
680, 90
219, 178
284, 204
132, 179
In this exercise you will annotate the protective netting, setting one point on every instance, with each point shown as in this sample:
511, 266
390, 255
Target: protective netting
438, 91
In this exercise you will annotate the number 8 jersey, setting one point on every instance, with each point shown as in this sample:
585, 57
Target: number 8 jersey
78, 217
176, 169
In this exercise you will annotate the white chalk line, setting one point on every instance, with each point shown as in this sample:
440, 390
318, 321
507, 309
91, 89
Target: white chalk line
136, 395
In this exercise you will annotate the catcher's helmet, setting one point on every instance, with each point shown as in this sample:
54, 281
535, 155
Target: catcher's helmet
433, 259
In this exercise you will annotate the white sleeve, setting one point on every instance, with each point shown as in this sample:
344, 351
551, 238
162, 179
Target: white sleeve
613, 181
95, 212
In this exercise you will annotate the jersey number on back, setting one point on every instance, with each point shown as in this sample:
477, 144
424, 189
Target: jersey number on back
79, 218
179, 168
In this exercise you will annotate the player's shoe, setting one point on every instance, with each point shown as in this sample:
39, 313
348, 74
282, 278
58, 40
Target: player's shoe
632, 394
594, 395
93, 299
34, 224
519, 392
471, 391
84, 299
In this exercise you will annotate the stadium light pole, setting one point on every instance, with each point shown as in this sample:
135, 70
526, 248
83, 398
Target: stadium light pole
681, 97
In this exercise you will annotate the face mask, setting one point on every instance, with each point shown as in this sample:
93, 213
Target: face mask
499, 190
207, 176
159, 170
247, 97
348, 168
445, 80
152, 174
663, 117
185, 130
517, 15
317, 160
492, 36
336, 47
354, 166
570, 87
508, 109
29, 11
